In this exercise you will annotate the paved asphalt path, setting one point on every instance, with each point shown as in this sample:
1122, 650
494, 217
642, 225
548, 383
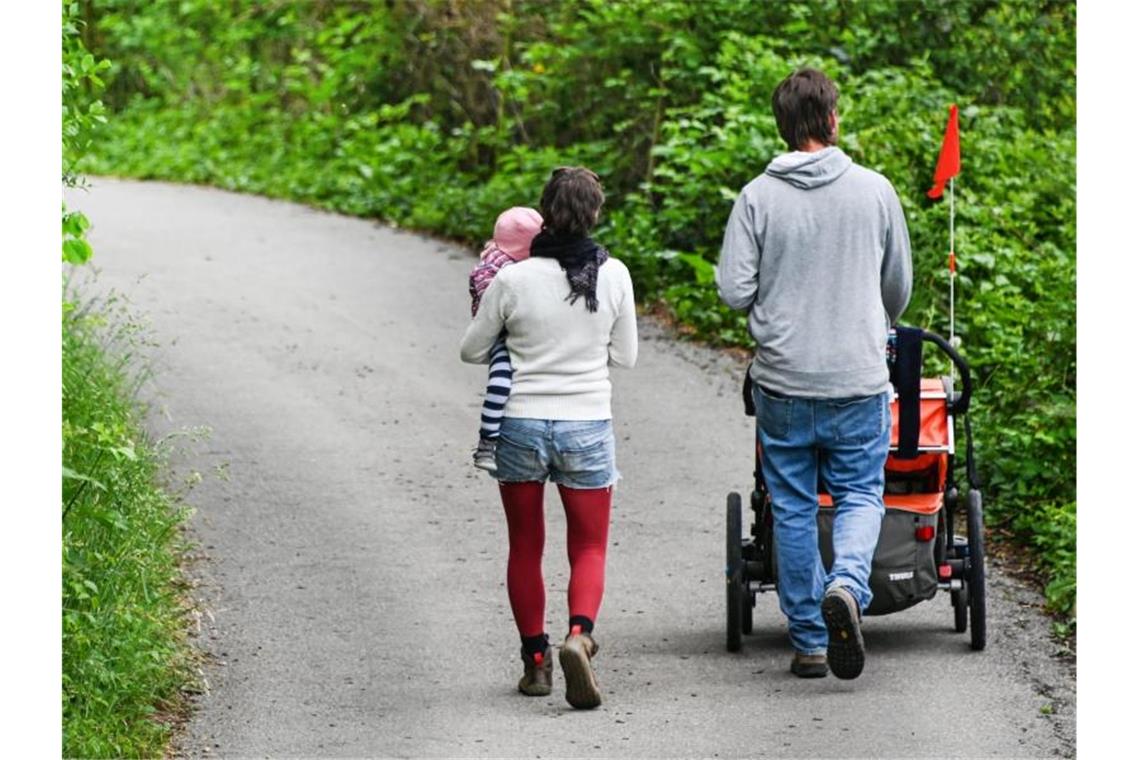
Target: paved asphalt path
353, 586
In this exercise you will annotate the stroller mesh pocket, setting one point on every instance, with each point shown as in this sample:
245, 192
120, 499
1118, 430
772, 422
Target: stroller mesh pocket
903, 572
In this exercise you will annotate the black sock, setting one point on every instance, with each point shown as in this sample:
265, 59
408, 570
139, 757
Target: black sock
583, 621
532, 645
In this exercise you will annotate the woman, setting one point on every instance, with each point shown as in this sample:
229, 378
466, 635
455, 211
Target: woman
568, 312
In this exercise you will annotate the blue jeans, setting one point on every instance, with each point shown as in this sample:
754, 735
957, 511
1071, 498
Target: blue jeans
845, 441
572, 453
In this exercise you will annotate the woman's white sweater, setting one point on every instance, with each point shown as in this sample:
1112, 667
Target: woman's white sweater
560, 352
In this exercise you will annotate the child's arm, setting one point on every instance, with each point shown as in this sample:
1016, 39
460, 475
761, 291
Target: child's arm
475, 348
482, 275
477, 283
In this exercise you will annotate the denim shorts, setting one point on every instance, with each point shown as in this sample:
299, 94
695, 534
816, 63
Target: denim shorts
572, 453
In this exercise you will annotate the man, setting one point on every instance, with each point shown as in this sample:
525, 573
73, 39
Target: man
817, 250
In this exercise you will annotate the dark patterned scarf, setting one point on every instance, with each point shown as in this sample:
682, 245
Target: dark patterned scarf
579, 256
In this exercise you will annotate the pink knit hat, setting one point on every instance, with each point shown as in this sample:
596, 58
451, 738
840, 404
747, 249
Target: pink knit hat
514, 229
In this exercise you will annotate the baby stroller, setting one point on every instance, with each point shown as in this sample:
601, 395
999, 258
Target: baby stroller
920, 551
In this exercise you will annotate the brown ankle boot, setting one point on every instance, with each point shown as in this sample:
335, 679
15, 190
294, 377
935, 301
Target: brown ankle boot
845, 654
809, 665
537, 674
575, 654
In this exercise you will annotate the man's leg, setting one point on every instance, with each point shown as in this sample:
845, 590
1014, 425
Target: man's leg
855, 437
788, 459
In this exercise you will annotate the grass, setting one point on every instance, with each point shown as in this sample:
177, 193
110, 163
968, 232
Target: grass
126, 661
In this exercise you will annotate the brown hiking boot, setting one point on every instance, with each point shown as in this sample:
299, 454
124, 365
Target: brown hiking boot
809, 665
577, 650
537, 674
844, 636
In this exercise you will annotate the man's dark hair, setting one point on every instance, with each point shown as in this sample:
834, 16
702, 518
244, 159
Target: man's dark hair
802, 104
571, 200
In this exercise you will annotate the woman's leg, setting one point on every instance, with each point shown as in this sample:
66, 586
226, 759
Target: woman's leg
587, 531
526, 588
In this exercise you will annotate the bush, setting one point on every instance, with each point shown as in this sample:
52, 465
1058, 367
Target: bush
125, 658
124, 653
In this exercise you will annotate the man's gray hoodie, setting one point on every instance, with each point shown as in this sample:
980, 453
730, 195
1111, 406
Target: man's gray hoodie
817, 248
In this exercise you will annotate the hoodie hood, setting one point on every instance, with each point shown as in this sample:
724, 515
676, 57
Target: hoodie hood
808, 171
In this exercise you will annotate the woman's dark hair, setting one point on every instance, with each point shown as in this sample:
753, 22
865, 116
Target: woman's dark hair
803, 104
571, 201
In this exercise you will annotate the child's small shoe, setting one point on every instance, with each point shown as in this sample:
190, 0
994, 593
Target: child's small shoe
484, 456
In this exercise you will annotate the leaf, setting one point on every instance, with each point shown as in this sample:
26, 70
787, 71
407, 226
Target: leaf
75, 224
70, 474
125, 452
112, 519
76, 251
703, 270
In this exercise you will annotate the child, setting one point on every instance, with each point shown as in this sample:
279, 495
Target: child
514, 230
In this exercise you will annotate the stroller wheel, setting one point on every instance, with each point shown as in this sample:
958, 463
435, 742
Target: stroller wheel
959, 601
733, 574
976, 578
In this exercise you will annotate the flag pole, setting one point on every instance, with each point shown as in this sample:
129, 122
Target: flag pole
953, 263
953, 274
947, 169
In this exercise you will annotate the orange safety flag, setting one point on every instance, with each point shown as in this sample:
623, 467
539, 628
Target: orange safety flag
948, 160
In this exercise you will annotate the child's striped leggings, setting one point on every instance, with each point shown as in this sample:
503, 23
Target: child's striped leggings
498, 389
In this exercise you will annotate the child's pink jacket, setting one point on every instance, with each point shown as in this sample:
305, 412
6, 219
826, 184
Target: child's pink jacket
493, 259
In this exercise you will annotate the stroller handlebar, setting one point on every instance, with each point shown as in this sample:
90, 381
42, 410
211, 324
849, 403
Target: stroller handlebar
961, 404
955, 405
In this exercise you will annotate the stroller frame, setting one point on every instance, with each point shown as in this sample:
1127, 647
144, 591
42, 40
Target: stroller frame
957, 561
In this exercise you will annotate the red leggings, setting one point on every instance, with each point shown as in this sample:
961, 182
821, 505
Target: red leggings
587, 528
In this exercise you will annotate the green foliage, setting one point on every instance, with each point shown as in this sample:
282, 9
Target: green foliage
76, 249
82, 114
437, 114
124, 653
1054, 530
125, 660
